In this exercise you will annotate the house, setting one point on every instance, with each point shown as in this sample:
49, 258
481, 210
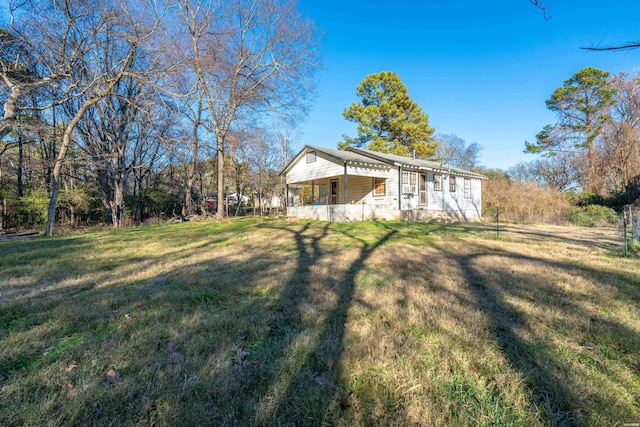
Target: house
357, 184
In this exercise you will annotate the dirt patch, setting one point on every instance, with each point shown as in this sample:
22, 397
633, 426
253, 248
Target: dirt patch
603, 237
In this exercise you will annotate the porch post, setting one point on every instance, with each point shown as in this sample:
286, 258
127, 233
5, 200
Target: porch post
286, 200
399, 188
346, 194
313, 192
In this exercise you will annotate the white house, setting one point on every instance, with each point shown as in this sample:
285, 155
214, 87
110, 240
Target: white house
357, 184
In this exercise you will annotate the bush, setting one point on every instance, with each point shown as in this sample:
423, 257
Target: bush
74, 202
523, 202
33, 209
594, 215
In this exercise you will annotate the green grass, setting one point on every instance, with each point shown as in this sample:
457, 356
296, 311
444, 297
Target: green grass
264, 322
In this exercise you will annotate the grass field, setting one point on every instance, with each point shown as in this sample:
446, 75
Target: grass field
264, 322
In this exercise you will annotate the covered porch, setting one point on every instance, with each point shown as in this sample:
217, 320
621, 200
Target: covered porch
343, 198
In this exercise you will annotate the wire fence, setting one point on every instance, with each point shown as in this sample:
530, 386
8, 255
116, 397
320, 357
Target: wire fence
630, 229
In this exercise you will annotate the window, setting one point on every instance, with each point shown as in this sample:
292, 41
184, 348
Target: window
467, 188
311, 156
437, 182
452, 184
379, 187
409, 178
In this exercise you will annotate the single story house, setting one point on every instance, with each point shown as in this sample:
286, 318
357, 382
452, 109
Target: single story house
357, 184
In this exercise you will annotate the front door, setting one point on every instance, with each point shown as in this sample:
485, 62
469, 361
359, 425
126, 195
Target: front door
333, 184
422, 188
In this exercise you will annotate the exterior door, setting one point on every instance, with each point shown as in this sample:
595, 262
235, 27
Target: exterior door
333, 186
422, 188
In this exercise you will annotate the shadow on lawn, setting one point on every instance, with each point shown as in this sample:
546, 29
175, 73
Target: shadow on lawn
525, 343
236, 339
607, 238
216, 348
304, 393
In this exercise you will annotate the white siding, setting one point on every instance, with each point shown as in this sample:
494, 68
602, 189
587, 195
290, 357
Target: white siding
323, 167
361, 191
360, 188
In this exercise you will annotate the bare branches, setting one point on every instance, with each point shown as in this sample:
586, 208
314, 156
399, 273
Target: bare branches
627, 46
543, 7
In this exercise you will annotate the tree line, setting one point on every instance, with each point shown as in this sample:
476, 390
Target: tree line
589, 159
129, 110
591, 155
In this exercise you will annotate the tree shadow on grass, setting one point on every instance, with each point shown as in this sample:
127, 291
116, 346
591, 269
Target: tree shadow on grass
606, 238
256, 336
304, 336
528, 347
252, 337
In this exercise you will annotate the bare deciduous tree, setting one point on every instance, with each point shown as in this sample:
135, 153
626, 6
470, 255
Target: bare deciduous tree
452, 149
248, 58
73, 39
619, 149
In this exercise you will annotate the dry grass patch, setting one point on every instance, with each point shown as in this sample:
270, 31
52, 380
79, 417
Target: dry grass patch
267, 322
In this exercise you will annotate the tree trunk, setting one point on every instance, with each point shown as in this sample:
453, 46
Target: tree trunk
592, 172
220, 154
55, 176
67, 138
118, 192
20, 163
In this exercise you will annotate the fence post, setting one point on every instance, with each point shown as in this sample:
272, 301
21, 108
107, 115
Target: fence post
624, 230
635, 228
498, 221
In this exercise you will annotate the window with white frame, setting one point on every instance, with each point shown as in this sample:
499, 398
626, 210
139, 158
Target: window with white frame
452, 184
409, 178
409, 182
437, 182
467, 188
379, 186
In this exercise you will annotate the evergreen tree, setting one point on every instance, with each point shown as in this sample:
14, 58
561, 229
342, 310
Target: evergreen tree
388, 119
582, 105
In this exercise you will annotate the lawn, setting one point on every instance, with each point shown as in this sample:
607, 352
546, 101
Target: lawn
266, 322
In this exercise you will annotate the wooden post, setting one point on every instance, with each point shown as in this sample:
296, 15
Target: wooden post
635, 228
346, 193
399, 188
498, 221
286, 200
624, 231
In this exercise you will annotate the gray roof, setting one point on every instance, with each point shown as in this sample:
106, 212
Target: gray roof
360, 155
350, 156
413, 163
343, 155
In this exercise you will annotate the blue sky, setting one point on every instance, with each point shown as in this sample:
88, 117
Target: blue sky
481, 69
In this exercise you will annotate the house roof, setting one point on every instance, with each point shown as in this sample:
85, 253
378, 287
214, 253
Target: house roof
414, 163
340, 155
376, 158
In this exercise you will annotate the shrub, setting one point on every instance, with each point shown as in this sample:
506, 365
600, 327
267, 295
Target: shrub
523, 202
594, 215
33, 209
74, 202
